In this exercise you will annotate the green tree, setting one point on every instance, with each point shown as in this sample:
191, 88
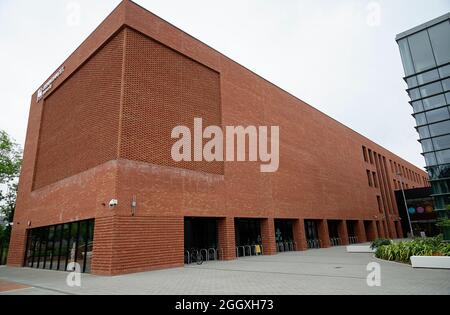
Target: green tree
10, 163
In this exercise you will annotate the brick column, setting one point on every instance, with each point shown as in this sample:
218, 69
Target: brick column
324, 236
360, 231
343, 233
227, 238
380, 229
374, 230
299, 235
268, 236
17, 244
399, 229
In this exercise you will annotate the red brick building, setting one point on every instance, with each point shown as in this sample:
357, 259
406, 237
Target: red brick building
100, 131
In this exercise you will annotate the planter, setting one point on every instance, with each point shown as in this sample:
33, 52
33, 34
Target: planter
432, 262
360, 249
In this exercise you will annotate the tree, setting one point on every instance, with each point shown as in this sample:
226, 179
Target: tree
10, 163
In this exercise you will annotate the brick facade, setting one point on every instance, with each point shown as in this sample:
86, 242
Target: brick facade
103, 132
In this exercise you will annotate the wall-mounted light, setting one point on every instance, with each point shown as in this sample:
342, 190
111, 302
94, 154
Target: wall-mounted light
133, 206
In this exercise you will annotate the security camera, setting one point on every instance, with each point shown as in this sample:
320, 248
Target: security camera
113, 203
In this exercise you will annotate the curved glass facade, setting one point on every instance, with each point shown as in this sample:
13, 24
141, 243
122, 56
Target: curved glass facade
425, 53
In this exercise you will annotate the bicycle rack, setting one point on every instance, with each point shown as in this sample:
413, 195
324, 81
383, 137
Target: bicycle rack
315, 243
249, 247
192, 253
237, 251
287, 247
204, 250
214, 251
353, 240
280, 247
188, 256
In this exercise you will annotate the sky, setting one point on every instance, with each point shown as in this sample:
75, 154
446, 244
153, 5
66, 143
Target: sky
339, 56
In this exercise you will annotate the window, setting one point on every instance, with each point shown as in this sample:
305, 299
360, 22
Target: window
406, 57
440, 128
370, 156
417, 106
375, 182
424, 132
430, 159
429, 76
380, 208
412, 82
442, 143
421, 119
434, 102
421, 52
414, 94
369, 178
440, 39
444, 71
438, 115
392, 166
431, 89
446, 84
53, 247
443, 157
365, 154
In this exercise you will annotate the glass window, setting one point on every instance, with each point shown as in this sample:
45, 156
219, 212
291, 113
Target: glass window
56, 248
438, 115
429, 76
440, 39
49, 248
431, 89
89, 247
440, 128
442, 143
427, 145
446, 83
422, 54
430, 158
414, 94
417, 106
441, 187
424, 132
447, 96
412, 82
443, 157
406, 57
52, 247
421, 119
434, 102
445, 71
369, 178
64, 247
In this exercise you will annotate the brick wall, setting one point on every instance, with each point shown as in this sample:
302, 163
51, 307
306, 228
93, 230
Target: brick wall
163, 90
133, 244
80, 120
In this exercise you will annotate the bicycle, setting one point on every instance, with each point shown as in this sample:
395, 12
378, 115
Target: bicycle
196, 257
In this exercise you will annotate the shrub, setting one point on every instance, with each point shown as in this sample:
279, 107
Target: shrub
402, 251
380, 242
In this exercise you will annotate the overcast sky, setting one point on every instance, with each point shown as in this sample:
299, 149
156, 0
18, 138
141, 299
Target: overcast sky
340, 56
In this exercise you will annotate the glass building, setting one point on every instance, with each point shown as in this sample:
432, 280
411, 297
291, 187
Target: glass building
425, 52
